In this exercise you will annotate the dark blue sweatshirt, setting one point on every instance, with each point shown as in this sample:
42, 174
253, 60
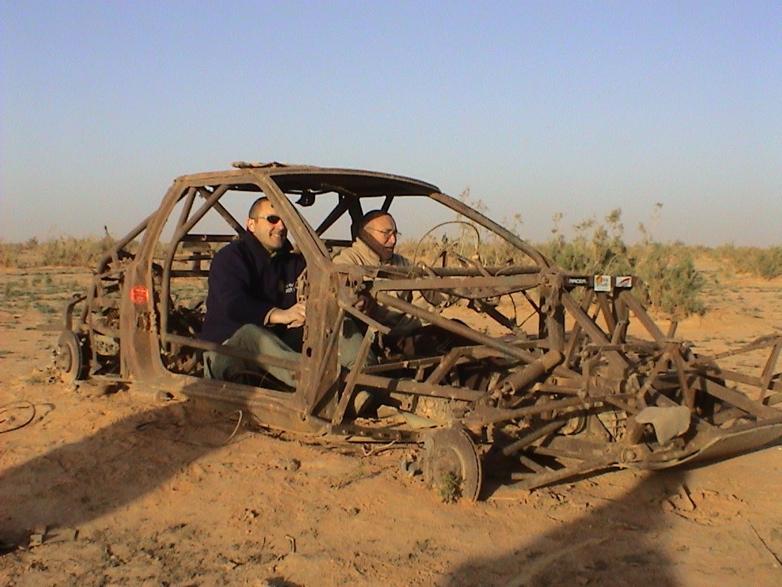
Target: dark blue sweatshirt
245, 283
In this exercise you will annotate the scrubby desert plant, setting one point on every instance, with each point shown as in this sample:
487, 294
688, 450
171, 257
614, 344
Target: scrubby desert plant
595, 248
763, 262
57, 252
671, 283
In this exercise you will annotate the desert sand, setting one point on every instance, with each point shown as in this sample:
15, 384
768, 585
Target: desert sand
98, 487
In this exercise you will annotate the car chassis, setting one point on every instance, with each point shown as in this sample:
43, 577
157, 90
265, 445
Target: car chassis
579, 394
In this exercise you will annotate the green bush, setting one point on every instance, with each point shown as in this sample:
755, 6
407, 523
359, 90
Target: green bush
596, 248
671, 282
768, 262
763, 262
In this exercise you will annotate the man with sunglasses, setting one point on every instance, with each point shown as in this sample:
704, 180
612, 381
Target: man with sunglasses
252, 300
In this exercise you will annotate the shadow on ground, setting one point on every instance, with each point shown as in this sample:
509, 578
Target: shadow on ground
617, 543
131, 458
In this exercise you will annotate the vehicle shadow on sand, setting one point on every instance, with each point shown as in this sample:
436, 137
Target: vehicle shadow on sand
616, 543
83, 480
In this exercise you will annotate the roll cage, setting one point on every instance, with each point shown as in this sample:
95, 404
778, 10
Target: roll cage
580, 390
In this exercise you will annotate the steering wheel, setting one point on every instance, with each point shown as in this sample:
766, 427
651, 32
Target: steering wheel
441, 253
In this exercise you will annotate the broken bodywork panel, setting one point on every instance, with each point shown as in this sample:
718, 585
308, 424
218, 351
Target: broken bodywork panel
561, 375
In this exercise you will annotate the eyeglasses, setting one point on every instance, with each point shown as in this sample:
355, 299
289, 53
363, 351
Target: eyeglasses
387, 233
271, 218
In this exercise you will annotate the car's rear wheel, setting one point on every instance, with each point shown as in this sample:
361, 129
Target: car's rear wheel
451, 465
70, 358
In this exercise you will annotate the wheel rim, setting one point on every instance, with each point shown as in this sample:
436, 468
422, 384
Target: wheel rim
69, 359
452, 466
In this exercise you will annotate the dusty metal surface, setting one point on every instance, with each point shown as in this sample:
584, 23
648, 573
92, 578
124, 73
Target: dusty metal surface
574, 394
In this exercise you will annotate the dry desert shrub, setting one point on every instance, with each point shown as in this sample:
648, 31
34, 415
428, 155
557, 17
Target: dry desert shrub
763, 262
670, 281
58, 252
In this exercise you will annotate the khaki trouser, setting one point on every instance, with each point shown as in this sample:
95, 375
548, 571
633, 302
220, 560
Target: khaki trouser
263, 341
254, 339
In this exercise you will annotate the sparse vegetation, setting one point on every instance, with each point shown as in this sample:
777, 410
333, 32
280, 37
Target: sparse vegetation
595, 248
763, 262
45, 290
671, 282
449, 487
59, 252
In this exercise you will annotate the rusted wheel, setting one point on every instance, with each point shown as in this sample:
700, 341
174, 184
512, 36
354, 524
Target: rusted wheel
451, 465
69, 358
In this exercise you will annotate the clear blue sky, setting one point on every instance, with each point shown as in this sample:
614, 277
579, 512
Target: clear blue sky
536, 107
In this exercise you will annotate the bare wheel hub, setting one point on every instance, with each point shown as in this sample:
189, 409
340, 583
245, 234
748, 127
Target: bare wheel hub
451, 465
69, 357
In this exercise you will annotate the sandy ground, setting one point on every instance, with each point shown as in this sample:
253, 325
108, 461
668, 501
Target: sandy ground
104, 489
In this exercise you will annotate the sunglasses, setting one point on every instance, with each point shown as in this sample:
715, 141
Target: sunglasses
271, 219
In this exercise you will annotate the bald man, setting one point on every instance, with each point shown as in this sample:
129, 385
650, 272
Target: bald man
252, 302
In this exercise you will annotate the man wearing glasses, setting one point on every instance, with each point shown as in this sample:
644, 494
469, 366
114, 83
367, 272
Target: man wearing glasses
374, 245
252, 301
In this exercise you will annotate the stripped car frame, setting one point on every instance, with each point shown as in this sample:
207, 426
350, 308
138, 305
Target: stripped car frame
581, 391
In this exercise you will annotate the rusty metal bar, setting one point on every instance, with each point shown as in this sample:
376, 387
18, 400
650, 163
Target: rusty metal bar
642, 316
204, 345
228, 217
350, 383
165, 294
768, 369
418, 388
531, 465
498, 316
760, 343
484, 415
122, 243
629, 347
403, 364
343, 205
739, 400
455, 327
521, 379
207, 238
269, 407
592, 330
447, 363
467, 211
575, 332
500, 285
525, 441
474, 272
678, 361
557, 388
541, 479
619, 334
605, 308
718, 372
361, 316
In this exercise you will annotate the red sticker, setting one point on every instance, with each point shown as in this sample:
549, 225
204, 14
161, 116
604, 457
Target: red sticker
139, 294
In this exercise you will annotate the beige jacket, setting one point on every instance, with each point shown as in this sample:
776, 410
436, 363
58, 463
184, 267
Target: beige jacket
400, 323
